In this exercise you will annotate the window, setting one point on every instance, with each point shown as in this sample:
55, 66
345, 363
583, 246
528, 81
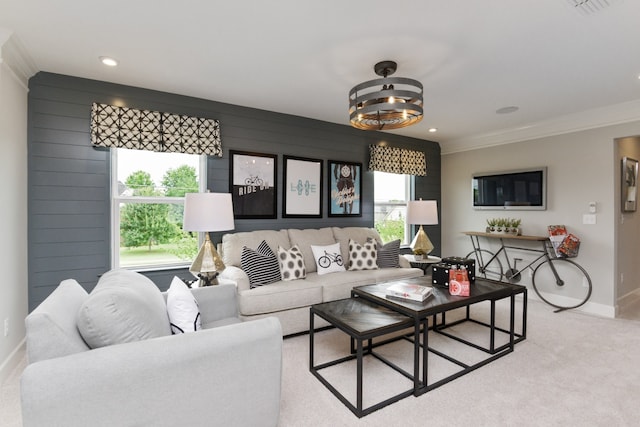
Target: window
391, 193
147, 201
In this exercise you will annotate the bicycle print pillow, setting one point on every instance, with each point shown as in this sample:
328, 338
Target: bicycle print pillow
328, 258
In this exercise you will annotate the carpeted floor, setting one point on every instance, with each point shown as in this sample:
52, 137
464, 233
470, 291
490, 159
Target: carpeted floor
572, 370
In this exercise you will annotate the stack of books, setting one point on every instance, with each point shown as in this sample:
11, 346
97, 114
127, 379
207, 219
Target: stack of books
409, 291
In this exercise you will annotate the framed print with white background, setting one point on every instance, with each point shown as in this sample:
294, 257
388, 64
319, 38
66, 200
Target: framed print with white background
302, 188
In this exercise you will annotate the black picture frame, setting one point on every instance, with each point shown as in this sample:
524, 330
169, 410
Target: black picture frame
302, 187
629, 184
344, 189
253, 184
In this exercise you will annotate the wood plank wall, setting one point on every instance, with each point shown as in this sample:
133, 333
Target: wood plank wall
69, 180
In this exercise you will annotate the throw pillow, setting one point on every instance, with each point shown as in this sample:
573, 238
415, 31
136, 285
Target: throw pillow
389, 254
328, 258
182, 308
125, 306
362, 257
260, 265
291, 263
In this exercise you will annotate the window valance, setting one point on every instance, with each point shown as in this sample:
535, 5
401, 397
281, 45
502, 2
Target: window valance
121, 127
397, 160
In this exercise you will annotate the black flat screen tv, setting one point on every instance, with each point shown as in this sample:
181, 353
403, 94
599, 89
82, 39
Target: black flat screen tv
522, 189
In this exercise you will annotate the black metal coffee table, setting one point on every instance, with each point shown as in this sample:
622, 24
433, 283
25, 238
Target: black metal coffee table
362, 320
439, 304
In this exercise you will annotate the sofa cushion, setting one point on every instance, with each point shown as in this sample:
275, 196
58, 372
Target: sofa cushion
232, 243
362, 257
340, 285
305, 238
328, 258
51, 327
389, 254
358, 234
182, 307
291, 264
281, 296
125, 306
261, 265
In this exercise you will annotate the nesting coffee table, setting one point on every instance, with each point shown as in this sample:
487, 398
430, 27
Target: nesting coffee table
370, 314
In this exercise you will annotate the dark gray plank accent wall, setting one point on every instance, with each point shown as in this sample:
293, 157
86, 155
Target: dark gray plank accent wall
69, 180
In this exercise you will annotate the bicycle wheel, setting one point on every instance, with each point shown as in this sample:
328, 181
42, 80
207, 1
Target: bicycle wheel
324, 261
491, 271
571, 290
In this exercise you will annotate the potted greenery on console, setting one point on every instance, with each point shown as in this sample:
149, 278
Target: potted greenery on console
504, 226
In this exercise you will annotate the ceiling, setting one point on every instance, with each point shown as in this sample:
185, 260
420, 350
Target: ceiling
565, 67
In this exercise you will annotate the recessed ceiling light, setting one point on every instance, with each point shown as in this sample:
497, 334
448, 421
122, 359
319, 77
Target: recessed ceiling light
432, 130
108, 61
507, 110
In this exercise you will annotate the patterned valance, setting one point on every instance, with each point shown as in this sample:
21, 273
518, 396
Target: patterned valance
397, 160
122, 127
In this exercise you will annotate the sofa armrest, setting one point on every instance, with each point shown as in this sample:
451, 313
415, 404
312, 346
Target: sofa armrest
226, 376
216, 302
237, 275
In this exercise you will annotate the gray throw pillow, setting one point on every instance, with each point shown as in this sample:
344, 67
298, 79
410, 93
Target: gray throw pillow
389, 254
125, 306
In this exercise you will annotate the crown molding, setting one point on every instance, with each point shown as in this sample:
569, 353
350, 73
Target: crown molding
625, 112
15, 57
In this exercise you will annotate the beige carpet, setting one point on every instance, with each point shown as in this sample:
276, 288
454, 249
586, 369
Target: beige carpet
573, 370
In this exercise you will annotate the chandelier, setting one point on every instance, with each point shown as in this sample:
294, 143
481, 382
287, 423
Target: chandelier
386, 103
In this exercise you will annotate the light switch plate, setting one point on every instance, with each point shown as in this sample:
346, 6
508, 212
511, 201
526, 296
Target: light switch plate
589, 219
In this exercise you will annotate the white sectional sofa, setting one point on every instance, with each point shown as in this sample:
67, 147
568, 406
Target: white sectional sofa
289, 301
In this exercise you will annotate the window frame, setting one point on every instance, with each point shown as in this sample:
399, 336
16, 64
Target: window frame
116, 199
409, 195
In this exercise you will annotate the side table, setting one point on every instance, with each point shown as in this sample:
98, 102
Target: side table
423, 263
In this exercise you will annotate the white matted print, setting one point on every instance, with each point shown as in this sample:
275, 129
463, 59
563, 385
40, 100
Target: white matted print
302, 189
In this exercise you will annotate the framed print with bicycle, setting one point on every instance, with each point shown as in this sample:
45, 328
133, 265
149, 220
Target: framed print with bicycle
252, 184
629, 184
345, 188
302, 188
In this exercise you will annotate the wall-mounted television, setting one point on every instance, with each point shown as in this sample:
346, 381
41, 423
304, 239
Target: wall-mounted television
522, 189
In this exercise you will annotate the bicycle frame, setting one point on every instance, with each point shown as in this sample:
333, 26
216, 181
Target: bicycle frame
513, 272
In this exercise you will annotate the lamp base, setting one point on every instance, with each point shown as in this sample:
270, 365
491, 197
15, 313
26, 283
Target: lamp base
207, 264
421, 245
208, 279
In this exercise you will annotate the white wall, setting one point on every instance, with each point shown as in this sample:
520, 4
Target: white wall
581, 169
13, 215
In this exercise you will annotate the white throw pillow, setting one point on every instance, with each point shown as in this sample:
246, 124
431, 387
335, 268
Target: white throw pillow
363, 257
291, 263
182, 308
328, 258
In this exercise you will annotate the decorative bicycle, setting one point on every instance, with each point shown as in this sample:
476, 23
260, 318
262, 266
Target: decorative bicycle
560, 282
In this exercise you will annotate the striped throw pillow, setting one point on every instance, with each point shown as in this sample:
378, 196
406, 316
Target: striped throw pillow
389, 254
261, 265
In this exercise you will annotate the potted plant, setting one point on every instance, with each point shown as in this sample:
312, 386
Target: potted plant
514, 226
491, 222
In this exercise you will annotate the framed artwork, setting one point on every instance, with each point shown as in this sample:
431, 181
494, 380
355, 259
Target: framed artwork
345, 188
302, 188
252, 184
629, 184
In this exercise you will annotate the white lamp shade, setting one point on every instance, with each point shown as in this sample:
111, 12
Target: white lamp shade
208, 212
422, 212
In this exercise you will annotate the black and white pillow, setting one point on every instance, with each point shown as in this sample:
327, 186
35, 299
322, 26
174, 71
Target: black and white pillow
328, 258
362, 257
389, 254
291, 263
182, 308
261, 265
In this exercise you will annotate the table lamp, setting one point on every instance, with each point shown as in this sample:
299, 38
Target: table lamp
208, 212
422, 212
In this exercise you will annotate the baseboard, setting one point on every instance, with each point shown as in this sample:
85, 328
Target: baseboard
12, 361
596, 309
